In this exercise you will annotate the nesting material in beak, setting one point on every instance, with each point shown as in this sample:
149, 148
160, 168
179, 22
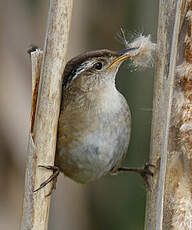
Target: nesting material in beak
140, 51
145, 53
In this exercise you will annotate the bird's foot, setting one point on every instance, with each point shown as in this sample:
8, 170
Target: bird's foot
52, 178
143, 172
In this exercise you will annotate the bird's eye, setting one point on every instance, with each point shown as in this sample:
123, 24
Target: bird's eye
98, 66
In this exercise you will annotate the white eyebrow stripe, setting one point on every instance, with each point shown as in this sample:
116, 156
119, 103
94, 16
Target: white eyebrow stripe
84, 66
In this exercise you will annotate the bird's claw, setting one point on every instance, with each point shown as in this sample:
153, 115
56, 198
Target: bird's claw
52, 178
145, 172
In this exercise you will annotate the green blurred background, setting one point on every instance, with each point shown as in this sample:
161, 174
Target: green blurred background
114, 202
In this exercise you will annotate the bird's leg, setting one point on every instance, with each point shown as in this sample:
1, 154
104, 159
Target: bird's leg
52, 178
143, 172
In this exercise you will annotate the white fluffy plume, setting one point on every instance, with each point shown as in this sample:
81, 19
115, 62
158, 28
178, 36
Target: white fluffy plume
143, 56
145, 52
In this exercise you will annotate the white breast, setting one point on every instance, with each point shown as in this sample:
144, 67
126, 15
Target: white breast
97, 139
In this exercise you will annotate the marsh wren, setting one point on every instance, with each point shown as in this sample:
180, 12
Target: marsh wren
95, 121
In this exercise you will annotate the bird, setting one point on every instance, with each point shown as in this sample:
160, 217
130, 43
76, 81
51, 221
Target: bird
94, 125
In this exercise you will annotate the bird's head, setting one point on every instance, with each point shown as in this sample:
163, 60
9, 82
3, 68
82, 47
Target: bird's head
94, 69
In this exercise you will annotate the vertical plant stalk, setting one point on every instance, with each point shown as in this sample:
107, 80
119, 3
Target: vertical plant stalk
178, 192
27, 218
36, 60
171, 16
42, 140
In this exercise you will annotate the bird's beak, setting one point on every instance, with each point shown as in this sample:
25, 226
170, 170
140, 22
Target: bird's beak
122, 55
